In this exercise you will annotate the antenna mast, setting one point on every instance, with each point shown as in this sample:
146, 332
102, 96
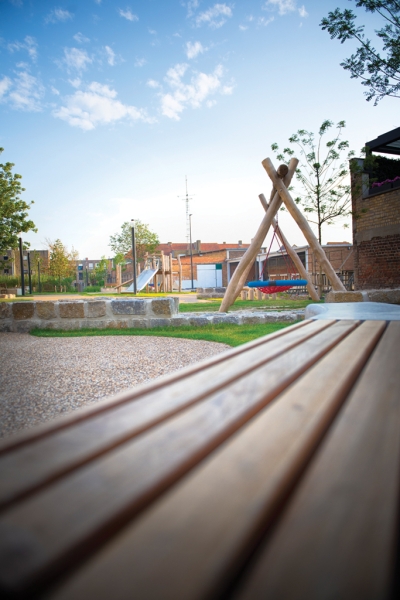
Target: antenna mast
187, 199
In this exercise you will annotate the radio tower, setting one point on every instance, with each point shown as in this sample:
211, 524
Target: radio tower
187, 199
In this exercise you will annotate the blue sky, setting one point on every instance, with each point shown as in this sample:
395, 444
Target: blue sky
106, 106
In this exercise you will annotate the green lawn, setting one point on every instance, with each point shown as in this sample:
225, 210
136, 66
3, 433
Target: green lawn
233, 335
215, 303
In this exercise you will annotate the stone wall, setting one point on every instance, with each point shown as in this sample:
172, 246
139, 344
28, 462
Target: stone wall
376, 236
78, 314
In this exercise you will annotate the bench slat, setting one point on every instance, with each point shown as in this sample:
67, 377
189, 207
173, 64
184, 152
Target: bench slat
338, 536
106, 493
30, 467
190, 543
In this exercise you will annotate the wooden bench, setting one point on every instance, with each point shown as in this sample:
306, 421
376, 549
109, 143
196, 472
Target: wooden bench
270, 471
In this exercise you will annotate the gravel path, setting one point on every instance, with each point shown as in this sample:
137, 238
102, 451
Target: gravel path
42, 378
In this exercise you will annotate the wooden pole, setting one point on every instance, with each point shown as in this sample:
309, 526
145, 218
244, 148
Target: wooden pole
302, 222
292, 253
239, 276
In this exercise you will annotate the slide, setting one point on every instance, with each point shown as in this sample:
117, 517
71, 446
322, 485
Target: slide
144, 278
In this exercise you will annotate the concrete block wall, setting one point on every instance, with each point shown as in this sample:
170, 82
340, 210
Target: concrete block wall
78, 314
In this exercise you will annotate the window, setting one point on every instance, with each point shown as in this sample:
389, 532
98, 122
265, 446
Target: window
90, 265
5, 257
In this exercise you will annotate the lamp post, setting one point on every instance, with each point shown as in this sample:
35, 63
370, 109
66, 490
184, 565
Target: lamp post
21, 260
134, 256
38, 270
191, 249
29, 273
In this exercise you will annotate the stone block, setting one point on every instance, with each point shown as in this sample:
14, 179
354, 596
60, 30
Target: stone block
139, 323
24, 326
252, 319
160, 322
387, 296
96, 308
179, 321
199, 321
23, 310
232, 319
71, 310
5, 326
45, 310
163, 306
220, 290
128, 307
5, 310
333, 296
117, 324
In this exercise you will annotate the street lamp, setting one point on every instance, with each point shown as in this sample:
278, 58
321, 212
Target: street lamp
21, 259
191, 249
134, 256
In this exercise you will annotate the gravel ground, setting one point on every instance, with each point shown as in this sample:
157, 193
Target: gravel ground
42, 378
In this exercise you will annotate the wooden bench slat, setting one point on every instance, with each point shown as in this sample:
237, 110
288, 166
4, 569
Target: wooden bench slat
27, 468
110, 490
28, 436
338, 536
190, 543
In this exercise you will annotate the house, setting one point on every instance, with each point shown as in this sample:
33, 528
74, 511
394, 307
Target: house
376, 214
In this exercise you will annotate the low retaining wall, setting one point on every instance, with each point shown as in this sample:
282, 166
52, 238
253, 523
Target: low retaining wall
121, 314
204, 293
388, 296
78, 314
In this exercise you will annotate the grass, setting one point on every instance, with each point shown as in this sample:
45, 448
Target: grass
214, 304
226, 333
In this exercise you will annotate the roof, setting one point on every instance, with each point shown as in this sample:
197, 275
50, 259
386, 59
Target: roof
182, 248
388, 143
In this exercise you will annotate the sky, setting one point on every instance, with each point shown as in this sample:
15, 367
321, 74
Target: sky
106, 107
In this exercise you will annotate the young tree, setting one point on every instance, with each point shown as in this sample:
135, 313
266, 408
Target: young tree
62, 262
13, 210
380, 72
146, 240
101, 271
323, 174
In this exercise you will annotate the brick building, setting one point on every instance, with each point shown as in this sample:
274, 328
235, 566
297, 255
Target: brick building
376, 216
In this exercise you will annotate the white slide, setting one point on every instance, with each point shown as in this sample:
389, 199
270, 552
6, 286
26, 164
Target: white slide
144, 278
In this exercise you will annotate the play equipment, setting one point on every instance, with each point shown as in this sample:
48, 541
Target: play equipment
280, 180
159, 268
144, 278
274, 286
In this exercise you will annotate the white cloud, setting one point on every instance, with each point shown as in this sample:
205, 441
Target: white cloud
128, 15
24, 92
29, 44
97, 105
152, 32
192, 5
263, 21
140, 62
110, 55
193, 50
5, 84
75, 82
243, 27
76, 59
214, 17
286, 6
192, 94
54, 91
80, 38
302, 11
58, 15
153, 84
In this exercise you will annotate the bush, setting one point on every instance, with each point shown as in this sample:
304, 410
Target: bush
92, 288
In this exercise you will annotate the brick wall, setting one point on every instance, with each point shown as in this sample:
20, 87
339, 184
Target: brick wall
376, 236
